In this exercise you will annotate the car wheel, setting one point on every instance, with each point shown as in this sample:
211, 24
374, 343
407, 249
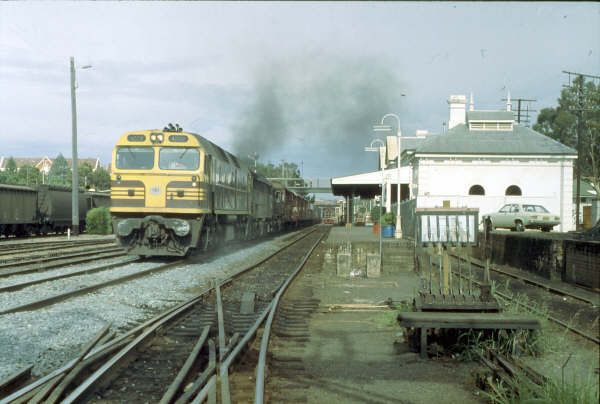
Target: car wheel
519, 226
546, 229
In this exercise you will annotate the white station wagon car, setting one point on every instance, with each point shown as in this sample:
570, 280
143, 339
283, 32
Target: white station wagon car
516, 216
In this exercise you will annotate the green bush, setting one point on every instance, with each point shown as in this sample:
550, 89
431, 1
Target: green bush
388, 219
375, 213
98, 221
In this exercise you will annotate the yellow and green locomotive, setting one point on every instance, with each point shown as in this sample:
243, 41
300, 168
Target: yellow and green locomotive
175, 191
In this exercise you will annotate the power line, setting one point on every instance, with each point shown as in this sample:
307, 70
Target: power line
522, 111
579, 108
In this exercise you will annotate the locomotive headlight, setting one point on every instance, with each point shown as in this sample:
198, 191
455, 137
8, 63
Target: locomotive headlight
153, 138
161, 137
181, 227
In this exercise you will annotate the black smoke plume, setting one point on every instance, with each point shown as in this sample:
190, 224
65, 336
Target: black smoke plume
322, 103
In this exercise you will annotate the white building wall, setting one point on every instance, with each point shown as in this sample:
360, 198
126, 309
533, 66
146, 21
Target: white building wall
541, 182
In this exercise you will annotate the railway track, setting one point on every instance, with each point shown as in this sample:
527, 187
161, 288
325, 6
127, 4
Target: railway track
510, 371
44, 264
184, 346
578, 315
14, 248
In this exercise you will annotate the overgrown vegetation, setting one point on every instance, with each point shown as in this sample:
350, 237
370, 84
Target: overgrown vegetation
572, 391
98, 221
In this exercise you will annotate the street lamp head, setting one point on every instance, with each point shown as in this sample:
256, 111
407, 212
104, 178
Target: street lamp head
86, 67
382, 128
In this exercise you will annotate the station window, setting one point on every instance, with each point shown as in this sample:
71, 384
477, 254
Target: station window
513, 190
476, 190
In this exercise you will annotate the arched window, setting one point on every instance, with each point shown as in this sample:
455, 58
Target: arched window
476, 190
513, 190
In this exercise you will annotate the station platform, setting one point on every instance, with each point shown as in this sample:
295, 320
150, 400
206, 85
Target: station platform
359, 234
397, 255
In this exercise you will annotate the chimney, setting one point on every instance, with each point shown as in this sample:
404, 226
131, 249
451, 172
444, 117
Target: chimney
458, 104
508, 104
471, 104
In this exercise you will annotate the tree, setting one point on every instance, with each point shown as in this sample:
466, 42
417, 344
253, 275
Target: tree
283, 170
99, 179
84, 172
9, 176
561, 123
60, 173
29, 175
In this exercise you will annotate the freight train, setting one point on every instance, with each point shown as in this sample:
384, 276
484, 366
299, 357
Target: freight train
173, 192
42, 209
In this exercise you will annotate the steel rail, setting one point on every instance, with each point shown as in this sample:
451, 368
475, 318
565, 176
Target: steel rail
43, 260
209, 388
90, 381
22, 285
262, 357
63, 296
30, 247
185, 369
103, 348
204, 376
101, 351
533, 282
547, 316
220, 322
224, 371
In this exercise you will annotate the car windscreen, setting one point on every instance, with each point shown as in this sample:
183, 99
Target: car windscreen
178, 158
135, 158
505, 209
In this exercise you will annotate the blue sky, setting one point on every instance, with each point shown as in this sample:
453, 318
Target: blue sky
302, 82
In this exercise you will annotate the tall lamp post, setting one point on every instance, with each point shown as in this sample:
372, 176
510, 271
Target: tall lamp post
387, 128
74, 165
372, 148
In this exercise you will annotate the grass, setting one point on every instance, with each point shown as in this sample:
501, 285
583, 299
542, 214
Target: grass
573, 391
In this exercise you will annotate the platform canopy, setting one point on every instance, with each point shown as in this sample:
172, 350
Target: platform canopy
367, 185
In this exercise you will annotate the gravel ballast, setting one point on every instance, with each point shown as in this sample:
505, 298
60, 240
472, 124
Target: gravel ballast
49, 337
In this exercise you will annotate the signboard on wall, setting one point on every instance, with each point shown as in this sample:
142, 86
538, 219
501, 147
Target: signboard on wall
449, 226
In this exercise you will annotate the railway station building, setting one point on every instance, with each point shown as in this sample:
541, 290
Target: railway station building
483, 161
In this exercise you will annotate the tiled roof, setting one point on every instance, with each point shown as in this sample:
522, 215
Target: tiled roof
520, 141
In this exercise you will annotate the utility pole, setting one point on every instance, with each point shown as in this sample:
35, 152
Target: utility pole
580, 108
522, 116
75, 184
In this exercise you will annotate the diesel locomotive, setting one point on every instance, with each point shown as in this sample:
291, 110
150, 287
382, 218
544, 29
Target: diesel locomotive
172, 192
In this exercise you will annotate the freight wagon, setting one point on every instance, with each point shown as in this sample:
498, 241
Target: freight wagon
42, 209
